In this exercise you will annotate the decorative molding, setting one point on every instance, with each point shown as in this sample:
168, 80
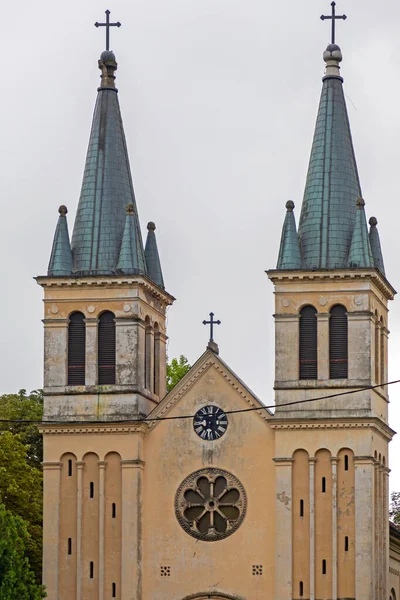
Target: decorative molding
334, 274
372, 423
212, 596
103, 428
51, 466
126, 463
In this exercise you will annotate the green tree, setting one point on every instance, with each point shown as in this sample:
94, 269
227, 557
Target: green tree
21, 493
17, 580
24, 407
395, 508
176, 369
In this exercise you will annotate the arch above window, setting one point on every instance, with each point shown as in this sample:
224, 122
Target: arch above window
338, 343
106, 349
308, 343
76, 349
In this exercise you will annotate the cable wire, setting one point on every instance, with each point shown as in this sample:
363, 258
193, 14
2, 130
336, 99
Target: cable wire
227, 412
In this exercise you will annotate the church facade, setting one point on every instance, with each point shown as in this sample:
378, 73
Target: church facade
204, 493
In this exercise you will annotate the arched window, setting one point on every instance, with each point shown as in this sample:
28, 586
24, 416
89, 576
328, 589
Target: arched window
76, 349
382, 352
106, 349
308, 343
157, 351
148, 356
338, 343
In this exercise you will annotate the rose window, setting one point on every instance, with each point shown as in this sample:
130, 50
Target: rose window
210, 504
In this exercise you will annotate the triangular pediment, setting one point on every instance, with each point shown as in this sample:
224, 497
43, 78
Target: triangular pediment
208, 363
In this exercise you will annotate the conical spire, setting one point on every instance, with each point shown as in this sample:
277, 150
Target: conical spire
289, 252
131, 260
152, 256
376, 245
332, 187
107, 186
61, 256
360, 255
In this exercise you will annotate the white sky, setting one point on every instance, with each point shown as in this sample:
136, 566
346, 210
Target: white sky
219, 99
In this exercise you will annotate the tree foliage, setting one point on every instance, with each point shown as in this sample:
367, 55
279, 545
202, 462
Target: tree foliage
395, 508
21, 480
176, 369
17, 580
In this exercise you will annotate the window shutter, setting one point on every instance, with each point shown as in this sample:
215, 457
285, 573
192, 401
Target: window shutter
76, 349
308, 343
106, 349
338, 343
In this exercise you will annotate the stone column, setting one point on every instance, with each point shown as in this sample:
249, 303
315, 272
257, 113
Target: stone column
283, 521
55, 353
384, 376
364, 515
102, 466
91, 351
286, 354
149, 359
79, 474
131, 567
386, 533
381, 529
360, 338
323, 345
160, 363
376, 528
334, 462
126, 341
51, 527
311, 462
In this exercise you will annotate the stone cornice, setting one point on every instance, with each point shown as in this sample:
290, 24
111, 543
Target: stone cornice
322, 275
110, 281
96, 428
351, 423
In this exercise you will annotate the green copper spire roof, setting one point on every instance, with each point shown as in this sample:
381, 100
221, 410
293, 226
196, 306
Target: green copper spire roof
152, 257
131, 259
289, 251
329, 206
107, 186
376, 245
61, 257
360, 255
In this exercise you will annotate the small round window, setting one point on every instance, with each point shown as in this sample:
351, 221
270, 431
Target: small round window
210, 504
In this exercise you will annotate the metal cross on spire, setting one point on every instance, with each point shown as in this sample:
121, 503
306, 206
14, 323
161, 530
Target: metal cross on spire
211, 323
107, 25
334, 18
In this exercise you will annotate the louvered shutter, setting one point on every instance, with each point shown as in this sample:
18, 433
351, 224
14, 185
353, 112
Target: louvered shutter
338, 343
76, 349
308, 343
106, 349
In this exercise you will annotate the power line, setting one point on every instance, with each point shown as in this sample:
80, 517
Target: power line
227, 412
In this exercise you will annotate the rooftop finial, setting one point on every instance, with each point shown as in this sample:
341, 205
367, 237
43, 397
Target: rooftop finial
373, 221
63, 210
334, 18
129, 209
290, 205
360, 203
151, 226
107, 25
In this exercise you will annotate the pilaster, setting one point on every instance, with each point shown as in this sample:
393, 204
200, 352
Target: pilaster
323, 345
360, 338
79, 500
283, 519
364, 514
132, 493
286, 343
102, 466
311, 462
334, 462
55, 352
51, 527
91, 351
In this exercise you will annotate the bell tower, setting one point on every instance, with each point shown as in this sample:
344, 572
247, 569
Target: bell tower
331, 340
105, 339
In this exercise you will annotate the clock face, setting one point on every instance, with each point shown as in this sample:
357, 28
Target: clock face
210, 422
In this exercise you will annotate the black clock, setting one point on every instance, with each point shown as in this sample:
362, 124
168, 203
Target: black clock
210, 422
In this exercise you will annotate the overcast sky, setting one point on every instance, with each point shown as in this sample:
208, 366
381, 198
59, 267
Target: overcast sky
219, 99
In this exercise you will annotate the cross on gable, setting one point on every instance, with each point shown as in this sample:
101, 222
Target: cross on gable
334, 18
107, 25
211, 323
